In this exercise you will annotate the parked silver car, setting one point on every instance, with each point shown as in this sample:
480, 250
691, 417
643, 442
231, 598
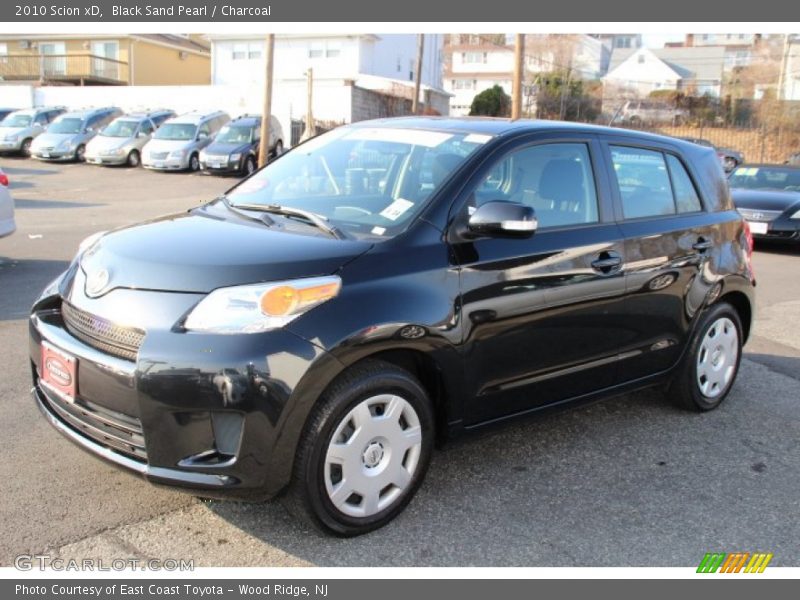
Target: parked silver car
7, 224
121, 142
177, 144
19, 128
640, 112
67, 136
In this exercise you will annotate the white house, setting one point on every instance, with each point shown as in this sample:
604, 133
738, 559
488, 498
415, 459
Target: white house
695, 70
475, 62
381, 63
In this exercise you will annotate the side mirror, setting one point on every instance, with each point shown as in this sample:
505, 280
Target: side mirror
500, 218
202, 135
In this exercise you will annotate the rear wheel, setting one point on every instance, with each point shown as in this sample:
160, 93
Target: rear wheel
277, 150
712, 360
364, 452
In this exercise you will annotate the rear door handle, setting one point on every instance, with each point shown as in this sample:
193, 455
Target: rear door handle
702, 244
607, 262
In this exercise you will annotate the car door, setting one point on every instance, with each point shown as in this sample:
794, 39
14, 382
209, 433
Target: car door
668, 240
543, 317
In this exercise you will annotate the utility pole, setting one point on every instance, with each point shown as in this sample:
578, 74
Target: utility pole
781, 95
519, 66
310, 129
263, 146
418, 74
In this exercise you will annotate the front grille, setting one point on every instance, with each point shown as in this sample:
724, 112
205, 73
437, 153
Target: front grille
111, 429
104, 335
761, 216
159, 155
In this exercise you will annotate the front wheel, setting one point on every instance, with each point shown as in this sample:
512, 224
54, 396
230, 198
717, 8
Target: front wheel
250, 165
133, 159
364, 451
80, 153
712, 360
25, 148
194, 163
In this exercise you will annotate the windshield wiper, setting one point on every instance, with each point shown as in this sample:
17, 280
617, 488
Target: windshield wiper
317, 220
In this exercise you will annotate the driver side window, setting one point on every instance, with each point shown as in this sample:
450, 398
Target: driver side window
556, 180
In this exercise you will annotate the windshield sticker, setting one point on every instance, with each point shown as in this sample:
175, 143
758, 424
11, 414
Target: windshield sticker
749, 172
378, 230
396, 209
414, 137
477, 138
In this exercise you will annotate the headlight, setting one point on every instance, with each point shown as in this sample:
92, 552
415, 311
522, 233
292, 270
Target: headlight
796, 215
90, 241
11, 138
178, 153
236, 157
260, 307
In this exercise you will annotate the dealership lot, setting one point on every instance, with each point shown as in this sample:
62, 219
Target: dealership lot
632, 481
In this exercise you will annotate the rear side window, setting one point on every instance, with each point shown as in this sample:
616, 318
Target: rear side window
147, 127
686, 198
643, 180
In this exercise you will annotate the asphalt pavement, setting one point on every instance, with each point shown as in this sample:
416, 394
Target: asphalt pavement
631, 481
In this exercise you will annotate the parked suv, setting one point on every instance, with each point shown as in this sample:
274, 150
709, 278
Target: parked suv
639, 112
121, 142
18, 129
177, 144
387, 284
235, 147
66, 137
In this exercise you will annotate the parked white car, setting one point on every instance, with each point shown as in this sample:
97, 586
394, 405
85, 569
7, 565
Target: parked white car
176, 145
7, 224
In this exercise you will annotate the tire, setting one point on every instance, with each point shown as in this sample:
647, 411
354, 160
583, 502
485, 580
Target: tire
133, 159
25, 147
277, 150
364, 451
194, 163
250, 165
709, 368
80, 153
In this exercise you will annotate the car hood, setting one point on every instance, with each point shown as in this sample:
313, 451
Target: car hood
155, 145
225, 148
764, 199
4, 131
211, 247
103, 142
53, 139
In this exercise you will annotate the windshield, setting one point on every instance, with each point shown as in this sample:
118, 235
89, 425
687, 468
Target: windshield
68, 125
766, 178
13, 120
176, 131
121, 129
235, 135
368, 182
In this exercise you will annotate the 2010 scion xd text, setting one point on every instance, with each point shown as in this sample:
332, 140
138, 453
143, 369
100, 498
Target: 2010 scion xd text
386, 285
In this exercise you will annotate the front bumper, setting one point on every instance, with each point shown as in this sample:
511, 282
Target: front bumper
199, 412
782, 229
53, 155
167, 164
220, 167
15, 146
106, 159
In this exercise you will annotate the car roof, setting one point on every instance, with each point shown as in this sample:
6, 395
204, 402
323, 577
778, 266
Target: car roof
196, 118
505, 127
247, 120
88, 112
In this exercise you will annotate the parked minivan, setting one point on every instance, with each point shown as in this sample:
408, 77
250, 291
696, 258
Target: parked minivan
121, 142
66, 137
18, 129
638, 112
235, 148
177, 144
388, 285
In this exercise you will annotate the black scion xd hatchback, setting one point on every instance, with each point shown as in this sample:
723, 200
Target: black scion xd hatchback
389, 284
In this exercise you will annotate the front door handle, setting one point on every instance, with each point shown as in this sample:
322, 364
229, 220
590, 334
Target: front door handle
702, 244
607, 262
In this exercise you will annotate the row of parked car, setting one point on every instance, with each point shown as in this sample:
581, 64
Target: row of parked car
155, 139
